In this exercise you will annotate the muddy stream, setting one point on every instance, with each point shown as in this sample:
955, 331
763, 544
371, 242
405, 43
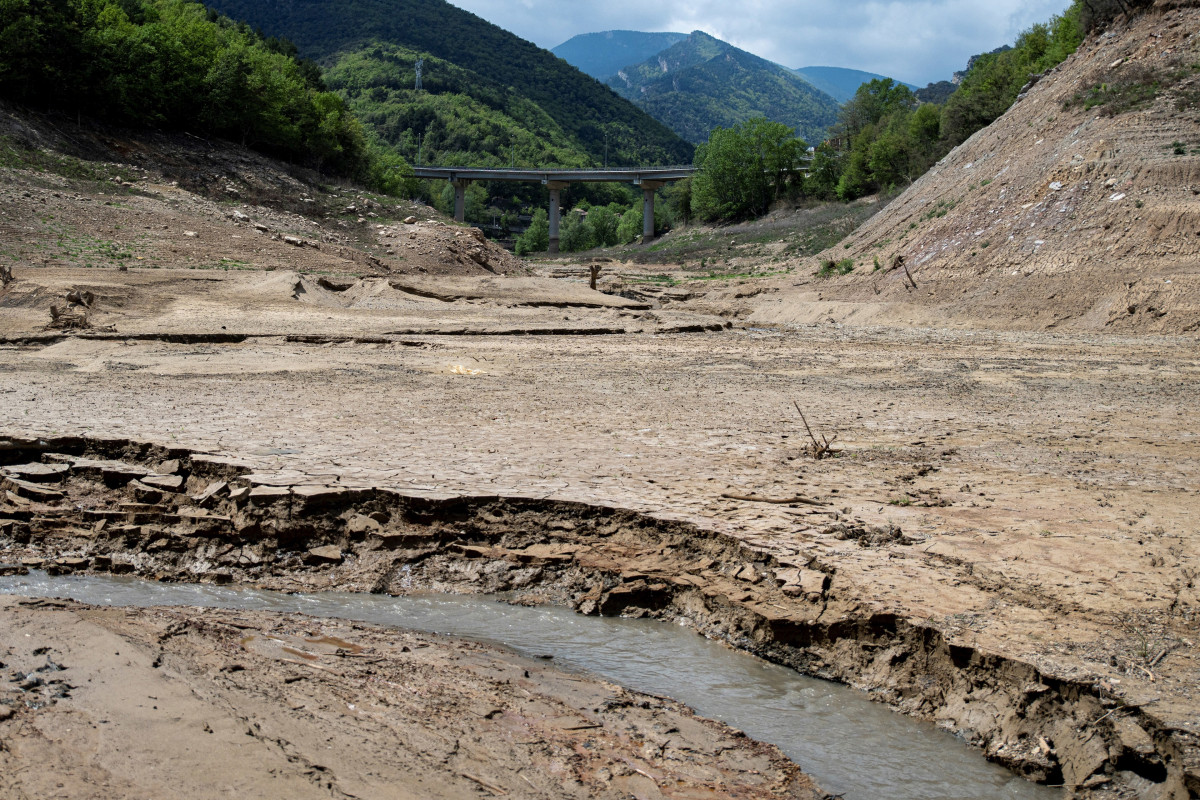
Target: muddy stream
850, 745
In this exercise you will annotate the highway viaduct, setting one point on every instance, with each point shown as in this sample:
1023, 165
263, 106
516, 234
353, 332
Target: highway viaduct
649, 178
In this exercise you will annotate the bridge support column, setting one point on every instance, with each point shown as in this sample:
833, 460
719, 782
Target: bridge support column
460, 200
648, 190
555, 188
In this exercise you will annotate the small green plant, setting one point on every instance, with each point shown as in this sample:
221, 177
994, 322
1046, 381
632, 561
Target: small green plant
1179, 148
878, 266
904, 500
1139, 203
985, 244
831, 267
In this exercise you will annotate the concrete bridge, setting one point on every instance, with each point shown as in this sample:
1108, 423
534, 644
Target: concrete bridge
649, 178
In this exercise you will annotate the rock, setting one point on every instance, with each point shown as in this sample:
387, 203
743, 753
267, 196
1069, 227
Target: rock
208, 495
410, 220
238, 216
32, 562
749, 573
294, 241
329, 554
145, 494
258, 226
71, 564
190, 234
360, 524
170, 483
169, 467
6, 712
264, 495
32, 491
38, 473
102, 562
13, 569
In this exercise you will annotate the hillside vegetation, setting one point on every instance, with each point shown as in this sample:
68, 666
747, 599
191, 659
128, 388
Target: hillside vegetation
702, 83
174, 64
486, 56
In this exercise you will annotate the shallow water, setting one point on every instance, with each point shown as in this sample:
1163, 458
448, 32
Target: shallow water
847, 743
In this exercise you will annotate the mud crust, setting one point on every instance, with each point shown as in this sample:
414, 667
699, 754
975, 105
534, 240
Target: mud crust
80, 504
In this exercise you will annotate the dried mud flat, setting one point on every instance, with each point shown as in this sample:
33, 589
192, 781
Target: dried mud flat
122, 703
1005, 543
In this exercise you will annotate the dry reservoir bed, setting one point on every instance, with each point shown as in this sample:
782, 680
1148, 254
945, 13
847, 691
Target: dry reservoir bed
1005, 544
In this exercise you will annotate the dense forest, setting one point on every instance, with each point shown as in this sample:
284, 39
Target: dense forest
582, 108
175, 64
702, 83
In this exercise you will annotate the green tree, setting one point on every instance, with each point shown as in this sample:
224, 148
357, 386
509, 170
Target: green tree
744, 169
576, 234
630, 226
536, 238
604, 224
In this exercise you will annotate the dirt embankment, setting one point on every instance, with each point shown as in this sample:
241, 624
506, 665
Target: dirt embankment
76, 504
96, 197
1056, 216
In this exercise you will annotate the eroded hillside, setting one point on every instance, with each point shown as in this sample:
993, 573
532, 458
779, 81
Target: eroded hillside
1079, 209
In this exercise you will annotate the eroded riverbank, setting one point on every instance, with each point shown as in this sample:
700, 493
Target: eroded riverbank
181, 516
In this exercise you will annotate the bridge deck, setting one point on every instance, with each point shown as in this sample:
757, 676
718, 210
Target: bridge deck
635, 175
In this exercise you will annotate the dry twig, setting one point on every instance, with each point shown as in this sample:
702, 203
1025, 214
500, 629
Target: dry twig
818, 449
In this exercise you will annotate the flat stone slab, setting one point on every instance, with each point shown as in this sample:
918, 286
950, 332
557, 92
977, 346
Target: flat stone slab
170, 483
32, 491
329, 554
38, 473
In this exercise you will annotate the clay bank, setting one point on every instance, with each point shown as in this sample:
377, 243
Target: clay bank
92, 506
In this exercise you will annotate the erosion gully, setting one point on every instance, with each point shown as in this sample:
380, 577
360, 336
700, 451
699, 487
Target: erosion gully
104, 508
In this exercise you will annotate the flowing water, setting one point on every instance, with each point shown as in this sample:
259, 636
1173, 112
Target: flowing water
847, 743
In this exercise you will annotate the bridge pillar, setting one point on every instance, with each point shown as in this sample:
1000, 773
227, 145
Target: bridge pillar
460, 200
648, 190
555, 188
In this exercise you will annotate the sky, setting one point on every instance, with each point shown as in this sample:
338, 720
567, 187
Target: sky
918, 41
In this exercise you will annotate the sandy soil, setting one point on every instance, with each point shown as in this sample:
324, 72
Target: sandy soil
188, 703
1036, 492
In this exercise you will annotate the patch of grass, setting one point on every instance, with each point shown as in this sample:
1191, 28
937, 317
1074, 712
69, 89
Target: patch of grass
1132, 86
942, 208
658, 280
904, 500
831, 267
15, 155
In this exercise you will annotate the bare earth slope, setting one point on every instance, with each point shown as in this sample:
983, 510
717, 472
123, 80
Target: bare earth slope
1050, 218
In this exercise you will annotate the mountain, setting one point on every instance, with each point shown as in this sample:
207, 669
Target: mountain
602, 55
494, 70
838, 82
701, 83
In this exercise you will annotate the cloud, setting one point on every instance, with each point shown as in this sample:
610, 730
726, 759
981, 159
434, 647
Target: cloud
914, 40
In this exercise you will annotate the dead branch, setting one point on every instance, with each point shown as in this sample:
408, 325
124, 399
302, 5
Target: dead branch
81, 297
818, 449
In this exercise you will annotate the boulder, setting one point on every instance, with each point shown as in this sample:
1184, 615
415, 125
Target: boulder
329, 554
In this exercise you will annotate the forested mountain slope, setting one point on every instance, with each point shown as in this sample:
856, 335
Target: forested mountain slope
702, 83
1078, 209
484, 54
603, 54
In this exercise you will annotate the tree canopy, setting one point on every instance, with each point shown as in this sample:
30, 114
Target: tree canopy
744, 169
173, 63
